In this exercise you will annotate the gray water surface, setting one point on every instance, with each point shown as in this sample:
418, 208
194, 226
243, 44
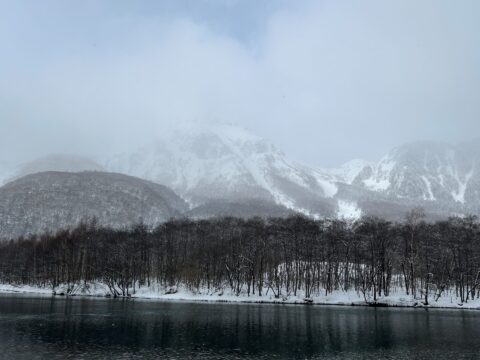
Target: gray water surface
86, 328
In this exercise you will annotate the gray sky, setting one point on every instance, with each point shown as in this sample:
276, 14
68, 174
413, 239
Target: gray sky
326, 81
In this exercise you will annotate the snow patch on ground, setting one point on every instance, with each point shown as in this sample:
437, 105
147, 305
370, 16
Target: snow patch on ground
459, 195
326, 182
380, 180
429, 189
158, 292
329, 188
377, 184
348, 210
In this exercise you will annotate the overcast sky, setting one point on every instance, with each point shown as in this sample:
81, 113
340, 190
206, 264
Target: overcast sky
326, 81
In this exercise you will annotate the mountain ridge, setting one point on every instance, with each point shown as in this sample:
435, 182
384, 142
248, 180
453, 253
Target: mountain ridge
216, 167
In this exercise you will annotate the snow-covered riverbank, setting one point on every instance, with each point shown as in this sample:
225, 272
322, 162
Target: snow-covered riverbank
349, 298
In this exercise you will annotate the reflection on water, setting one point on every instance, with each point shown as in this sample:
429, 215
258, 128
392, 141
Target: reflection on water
37, 328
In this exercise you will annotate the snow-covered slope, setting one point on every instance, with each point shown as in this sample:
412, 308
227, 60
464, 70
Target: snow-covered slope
428, 171
348, 171
225, 162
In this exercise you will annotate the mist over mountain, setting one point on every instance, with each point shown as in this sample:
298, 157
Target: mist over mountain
228, 163
224, 170
57, 162
141, 88
5, 172
430, 171
225, 162
265, 151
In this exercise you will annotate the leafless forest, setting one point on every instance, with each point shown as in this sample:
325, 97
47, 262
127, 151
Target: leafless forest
277, 256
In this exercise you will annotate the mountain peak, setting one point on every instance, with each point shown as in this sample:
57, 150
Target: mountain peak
222, 162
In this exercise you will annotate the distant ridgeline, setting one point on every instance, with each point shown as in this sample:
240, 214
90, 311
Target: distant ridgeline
226, 171
279, 257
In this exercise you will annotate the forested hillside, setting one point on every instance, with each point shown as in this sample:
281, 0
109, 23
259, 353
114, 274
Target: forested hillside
50, 201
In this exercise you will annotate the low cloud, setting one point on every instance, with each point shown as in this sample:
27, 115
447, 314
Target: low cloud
325, 80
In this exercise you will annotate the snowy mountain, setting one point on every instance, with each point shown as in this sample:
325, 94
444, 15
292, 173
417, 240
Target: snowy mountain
226, 163
54, 200
428, 171
225, 170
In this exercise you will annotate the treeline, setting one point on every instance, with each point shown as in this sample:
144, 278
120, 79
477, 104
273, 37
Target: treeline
279, 257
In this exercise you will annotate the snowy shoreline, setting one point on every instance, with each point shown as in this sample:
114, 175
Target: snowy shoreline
338, 298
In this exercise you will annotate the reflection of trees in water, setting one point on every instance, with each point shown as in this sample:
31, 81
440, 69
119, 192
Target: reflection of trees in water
114, 327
